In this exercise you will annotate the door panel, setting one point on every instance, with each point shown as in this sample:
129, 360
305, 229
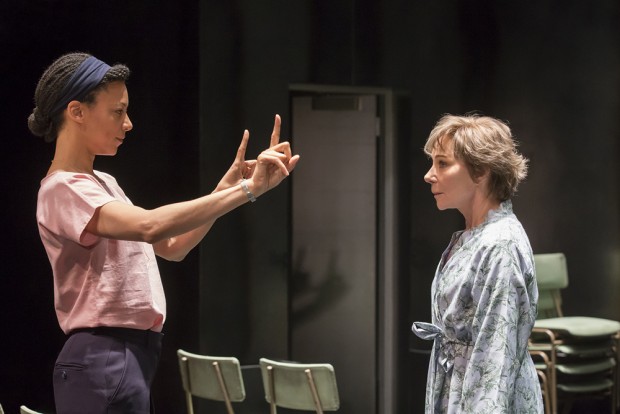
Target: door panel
333, 286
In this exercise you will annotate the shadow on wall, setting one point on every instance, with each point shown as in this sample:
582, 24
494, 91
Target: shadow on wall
310, 298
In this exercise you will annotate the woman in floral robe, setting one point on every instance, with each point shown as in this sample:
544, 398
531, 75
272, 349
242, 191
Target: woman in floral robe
484, 293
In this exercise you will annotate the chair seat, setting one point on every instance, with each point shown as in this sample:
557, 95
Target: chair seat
580, 326
587, 350
584, 368
598, 385
541, 366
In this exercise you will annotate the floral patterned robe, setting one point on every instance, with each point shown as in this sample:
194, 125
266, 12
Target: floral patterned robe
484, 298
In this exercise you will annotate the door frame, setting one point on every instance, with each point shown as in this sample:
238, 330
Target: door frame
387, 235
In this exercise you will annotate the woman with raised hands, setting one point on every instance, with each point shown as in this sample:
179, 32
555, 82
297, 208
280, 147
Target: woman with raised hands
108, 294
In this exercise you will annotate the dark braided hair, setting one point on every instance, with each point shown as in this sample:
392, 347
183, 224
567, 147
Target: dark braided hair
41, 121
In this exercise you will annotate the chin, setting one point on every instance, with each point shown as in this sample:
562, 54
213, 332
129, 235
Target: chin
442, 207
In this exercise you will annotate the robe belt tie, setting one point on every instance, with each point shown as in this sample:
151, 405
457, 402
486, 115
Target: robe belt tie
445, 349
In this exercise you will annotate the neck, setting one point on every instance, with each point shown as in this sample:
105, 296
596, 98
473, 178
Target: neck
70, 156
69, 166
479, 211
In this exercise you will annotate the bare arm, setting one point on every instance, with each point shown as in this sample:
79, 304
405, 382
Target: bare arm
173, 229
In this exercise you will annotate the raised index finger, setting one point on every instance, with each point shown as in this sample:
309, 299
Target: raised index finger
275, 135
243, 146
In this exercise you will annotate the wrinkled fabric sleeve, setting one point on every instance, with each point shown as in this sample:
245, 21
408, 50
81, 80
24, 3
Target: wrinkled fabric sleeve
69, 203
500, 331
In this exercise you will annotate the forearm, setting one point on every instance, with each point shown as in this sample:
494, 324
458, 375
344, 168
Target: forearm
192, 219
125, 222
177, 247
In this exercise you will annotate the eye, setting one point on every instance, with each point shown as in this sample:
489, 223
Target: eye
442, 163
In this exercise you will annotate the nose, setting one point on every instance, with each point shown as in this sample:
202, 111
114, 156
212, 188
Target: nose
127, 125
429, 177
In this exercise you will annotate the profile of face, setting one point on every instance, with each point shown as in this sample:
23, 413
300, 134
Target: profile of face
451, 182
105, 122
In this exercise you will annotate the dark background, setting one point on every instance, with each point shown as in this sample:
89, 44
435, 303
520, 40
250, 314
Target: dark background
205, 70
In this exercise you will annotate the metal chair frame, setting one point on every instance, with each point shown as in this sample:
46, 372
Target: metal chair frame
545, 377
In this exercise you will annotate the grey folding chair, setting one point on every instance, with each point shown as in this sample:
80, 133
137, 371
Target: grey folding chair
212, 378
299, 386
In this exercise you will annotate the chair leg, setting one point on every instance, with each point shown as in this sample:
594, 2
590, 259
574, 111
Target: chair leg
223, 389
188, 400
545, 391
616, 377
188, 394
614, 389
315, 394
547, 382
553, 384
272, 390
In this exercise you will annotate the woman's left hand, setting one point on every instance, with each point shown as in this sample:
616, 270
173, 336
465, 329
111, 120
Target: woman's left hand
240, 168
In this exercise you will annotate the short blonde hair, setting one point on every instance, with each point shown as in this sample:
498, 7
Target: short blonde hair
484, 144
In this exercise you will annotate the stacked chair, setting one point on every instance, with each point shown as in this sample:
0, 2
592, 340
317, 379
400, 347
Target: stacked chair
575, 356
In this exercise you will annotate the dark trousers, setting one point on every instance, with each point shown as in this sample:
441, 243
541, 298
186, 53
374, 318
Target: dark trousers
106, 371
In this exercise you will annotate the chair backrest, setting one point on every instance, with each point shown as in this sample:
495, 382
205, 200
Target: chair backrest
210, 377
300, 386
25, 410
551, 277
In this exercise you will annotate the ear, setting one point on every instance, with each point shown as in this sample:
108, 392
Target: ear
481, 176
75, 112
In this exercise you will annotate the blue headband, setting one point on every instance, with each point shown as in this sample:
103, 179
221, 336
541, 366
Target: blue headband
84, 79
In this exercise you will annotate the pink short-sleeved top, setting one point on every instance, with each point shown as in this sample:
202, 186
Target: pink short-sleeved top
97, 281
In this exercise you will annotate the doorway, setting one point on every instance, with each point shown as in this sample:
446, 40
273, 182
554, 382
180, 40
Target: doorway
343, 288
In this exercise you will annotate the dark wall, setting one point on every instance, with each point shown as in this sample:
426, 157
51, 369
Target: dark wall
204, 71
